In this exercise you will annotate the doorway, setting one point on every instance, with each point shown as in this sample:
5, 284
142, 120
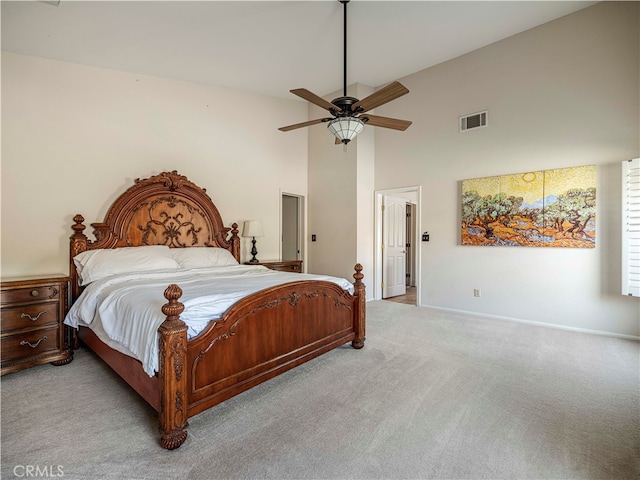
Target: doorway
292, 224
394, 246
397, 256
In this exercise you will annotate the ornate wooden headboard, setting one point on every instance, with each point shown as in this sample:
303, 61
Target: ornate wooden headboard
165, 209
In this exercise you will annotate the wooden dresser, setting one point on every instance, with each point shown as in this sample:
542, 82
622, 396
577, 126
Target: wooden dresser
32, 311
281, 265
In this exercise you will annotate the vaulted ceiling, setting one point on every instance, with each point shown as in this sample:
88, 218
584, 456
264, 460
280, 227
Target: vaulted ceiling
267, 47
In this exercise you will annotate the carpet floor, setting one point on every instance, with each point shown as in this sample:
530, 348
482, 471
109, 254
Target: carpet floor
433, 395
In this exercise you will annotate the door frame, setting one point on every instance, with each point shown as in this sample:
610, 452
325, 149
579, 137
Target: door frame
377, 260
301, 225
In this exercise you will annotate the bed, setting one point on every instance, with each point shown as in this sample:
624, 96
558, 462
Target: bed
259, 336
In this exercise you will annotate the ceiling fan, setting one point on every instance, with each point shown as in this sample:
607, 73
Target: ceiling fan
348, 113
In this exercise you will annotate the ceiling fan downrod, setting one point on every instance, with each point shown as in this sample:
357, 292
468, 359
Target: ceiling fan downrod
344, 4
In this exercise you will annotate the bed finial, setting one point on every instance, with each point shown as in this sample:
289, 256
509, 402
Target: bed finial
171, 372
174, 308
78, 227
358, 275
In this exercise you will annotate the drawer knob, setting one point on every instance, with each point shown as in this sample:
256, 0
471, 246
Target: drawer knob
32, 345
33, 319
35, 293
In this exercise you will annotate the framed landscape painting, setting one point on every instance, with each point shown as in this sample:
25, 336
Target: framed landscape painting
548, 208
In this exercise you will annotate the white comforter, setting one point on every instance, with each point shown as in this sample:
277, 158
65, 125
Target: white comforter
125, 310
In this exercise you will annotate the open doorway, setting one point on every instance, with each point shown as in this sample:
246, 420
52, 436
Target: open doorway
292, 222
397, 259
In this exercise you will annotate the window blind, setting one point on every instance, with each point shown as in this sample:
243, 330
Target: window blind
631, 227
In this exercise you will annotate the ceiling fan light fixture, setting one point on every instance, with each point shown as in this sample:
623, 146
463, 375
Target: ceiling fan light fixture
345, 129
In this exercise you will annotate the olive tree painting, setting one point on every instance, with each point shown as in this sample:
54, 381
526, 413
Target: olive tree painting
550, 208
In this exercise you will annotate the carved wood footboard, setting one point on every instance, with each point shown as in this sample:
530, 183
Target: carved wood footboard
258, 338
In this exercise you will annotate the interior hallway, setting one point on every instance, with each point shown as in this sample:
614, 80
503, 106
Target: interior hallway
408, 298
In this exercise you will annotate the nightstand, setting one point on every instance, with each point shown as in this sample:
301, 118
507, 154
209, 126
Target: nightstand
32, 333
281, 265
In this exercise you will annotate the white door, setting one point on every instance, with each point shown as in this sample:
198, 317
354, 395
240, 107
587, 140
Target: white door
394, 251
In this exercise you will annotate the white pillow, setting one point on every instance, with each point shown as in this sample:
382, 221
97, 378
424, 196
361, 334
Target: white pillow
198, 257
93, 265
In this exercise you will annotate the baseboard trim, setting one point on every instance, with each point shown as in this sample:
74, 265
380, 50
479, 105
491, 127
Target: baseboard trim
532, 322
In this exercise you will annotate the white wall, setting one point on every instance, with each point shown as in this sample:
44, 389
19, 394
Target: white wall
332, 201
341, 198
75, 137
365, 199
564, 94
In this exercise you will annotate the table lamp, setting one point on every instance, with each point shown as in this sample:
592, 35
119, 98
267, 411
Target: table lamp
253, 229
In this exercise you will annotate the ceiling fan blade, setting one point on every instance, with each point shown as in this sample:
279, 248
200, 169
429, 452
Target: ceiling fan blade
304, 124
386, 122
382, 96
313, 98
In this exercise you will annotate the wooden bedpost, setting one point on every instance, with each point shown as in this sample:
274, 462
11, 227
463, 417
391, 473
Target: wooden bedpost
79, 244
172, 372
235, 242
360, 292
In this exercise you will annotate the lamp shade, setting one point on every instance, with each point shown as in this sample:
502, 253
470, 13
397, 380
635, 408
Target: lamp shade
345, 128
252, 228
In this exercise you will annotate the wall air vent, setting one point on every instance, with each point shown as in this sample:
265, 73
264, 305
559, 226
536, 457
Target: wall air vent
474, 120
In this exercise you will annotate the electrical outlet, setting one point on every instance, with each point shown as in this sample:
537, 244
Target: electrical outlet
476, 292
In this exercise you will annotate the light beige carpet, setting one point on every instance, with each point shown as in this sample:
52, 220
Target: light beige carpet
432, 395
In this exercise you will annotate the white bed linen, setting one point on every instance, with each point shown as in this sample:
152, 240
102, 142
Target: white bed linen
125, 310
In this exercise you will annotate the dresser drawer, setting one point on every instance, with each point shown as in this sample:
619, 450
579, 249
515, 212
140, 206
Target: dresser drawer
30, 294
285, 268
29, 344
293, 267
281, 265
30, 316
32, 311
